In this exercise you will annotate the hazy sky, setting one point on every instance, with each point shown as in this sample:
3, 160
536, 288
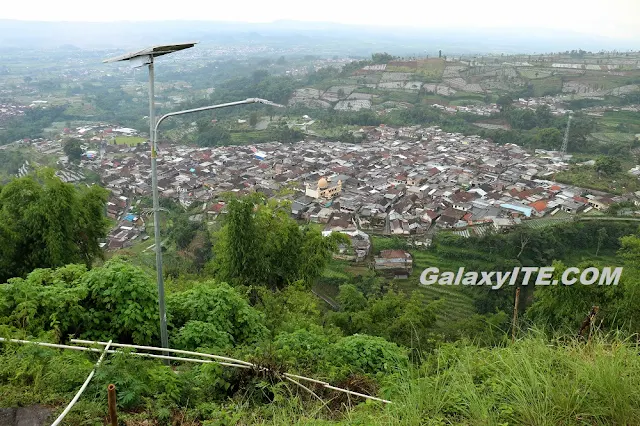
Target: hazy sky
616, 18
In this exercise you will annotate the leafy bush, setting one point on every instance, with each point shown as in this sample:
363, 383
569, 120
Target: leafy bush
405, 321
122, 304
302, 349
130, 376
46, 372
116, 301
199, 334
44, 300
289, 309
369, 355
205, 382
221, 306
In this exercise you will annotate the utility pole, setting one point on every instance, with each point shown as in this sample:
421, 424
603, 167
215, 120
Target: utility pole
138, 59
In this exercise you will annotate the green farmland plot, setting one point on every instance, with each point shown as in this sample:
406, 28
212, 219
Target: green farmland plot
612, 137
535, 73
544, 86
628, 119
129, 140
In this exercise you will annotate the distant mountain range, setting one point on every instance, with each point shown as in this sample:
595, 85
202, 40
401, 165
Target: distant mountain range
307, 36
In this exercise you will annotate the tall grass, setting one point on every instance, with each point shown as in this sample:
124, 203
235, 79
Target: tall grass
532, 382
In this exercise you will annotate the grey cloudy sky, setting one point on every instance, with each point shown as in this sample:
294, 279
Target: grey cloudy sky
614, 18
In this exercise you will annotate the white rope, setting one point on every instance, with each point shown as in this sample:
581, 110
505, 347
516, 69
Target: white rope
358, 394
154, 348
84, 386
111, 351
232, 362
51, 345
247, 364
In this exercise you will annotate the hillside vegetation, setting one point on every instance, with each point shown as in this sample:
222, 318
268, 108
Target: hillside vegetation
441, 354
533, 381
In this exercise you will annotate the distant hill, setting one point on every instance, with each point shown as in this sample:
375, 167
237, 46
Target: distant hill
304, 35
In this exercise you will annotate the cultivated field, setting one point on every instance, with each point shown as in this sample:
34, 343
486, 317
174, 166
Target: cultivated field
129, 140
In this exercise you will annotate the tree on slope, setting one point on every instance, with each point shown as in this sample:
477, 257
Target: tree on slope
73, 149
47, 223
261, 244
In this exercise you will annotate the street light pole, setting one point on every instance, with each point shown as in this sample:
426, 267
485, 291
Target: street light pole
164, 337
141, 58
154, 181
138, 59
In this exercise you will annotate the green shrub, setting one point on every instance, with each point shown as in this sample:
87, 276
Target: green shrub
369, 355
198, 334
207, 382
302, 349
221, 306
130, 376
116, 301
46, 299
122, 304
31, 374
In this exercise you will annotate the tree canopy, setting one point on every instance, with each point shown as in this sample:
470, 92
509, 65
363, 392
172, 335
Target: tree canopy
46, 223
72, 149
10, 161
210, 134
608, 165
381, 58
261, 244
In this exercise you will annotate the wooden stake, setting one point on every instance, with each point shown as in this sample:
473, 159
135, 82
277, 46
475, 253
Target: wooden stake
111, 398
588, 321
515, 316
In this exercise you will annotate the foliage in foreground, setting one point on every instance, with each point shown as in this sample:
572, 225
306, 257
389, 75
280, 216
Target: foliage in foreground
379, 340
534, 381
116, 301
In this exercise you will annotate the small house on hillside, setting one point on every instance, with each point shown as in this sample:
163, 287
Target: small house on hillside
398, 263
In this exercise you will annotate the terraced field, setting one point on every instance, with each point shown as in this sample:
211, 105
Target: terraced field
254, 136
534, 73
546, 85
613, 137
457, 304
430, 69
547, 221
612, 119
